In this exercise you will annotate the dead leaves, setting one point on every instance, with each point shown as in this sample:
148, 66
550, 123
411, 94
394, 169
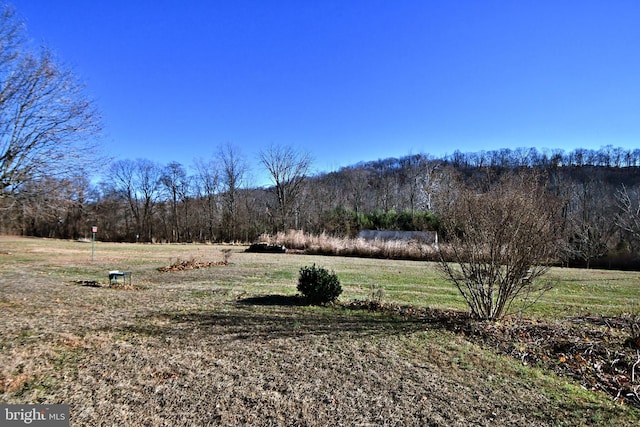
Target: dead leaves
190, 264
598, 352
592, 350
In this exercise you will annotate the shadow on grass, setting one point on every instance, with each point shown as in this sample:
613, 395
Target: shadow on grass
274, 299
273, 317
266, 320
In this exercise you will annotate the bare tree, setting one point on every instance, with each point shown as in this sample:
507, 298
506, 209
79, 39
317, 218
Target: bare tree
385, 186
176, 183
233, 174
586, 243
138, 182
48, 207
121, 184
46, 123
358, 187
628, 216
497, 243
418, 177
588, 226
207, 183
288, 169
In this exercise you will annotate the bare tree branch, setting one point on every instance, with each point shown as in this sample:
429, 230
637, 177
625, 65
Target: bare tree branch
497, 243
288, 169
46, 122
628, 216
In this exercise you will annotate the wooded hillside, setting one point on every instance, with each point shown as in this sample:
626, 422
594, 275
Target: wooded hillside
598, 193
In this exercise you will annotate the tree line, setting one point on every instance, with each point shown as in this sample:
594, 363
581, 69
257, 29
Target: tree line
142, 201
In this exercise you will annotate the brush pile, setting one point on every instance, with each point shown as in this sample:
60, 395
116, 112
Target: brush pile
190, 264
598, 352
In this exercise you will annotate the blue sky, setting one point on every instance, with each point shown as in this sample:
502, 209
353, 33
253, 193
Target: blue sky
350, 80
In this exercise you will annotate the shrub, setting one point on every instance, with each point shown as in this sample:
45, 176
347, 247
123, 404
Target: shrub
319, 285
498, 242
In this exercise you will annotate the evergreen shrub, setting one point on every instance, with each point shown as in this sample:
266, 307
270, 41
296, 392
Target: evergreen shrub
319, 285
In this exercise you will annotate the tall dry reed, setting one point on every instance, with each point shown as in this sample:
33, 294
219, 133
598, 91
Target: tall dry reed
324, 244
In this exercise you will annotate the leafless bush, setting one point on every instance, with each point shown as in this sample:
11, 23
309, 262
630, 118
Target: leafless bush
497, 243
226, 255
376, 296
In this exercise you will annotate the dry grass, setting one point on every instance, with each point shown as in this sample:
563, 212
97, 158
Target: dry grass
324, 244
212, 347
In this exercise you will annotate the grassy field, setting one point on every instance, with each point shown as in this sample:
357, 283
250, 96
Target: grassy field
226, 345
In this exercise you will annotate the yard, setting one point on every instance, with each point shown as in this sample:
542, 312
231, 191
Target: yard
229, 344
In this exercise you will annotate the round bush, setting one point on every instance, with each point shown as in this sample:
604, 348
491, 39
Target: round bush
319, 285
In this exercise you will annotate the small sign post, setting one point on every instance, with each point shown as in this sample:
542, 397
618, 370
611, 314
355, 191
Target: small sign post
94, 230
